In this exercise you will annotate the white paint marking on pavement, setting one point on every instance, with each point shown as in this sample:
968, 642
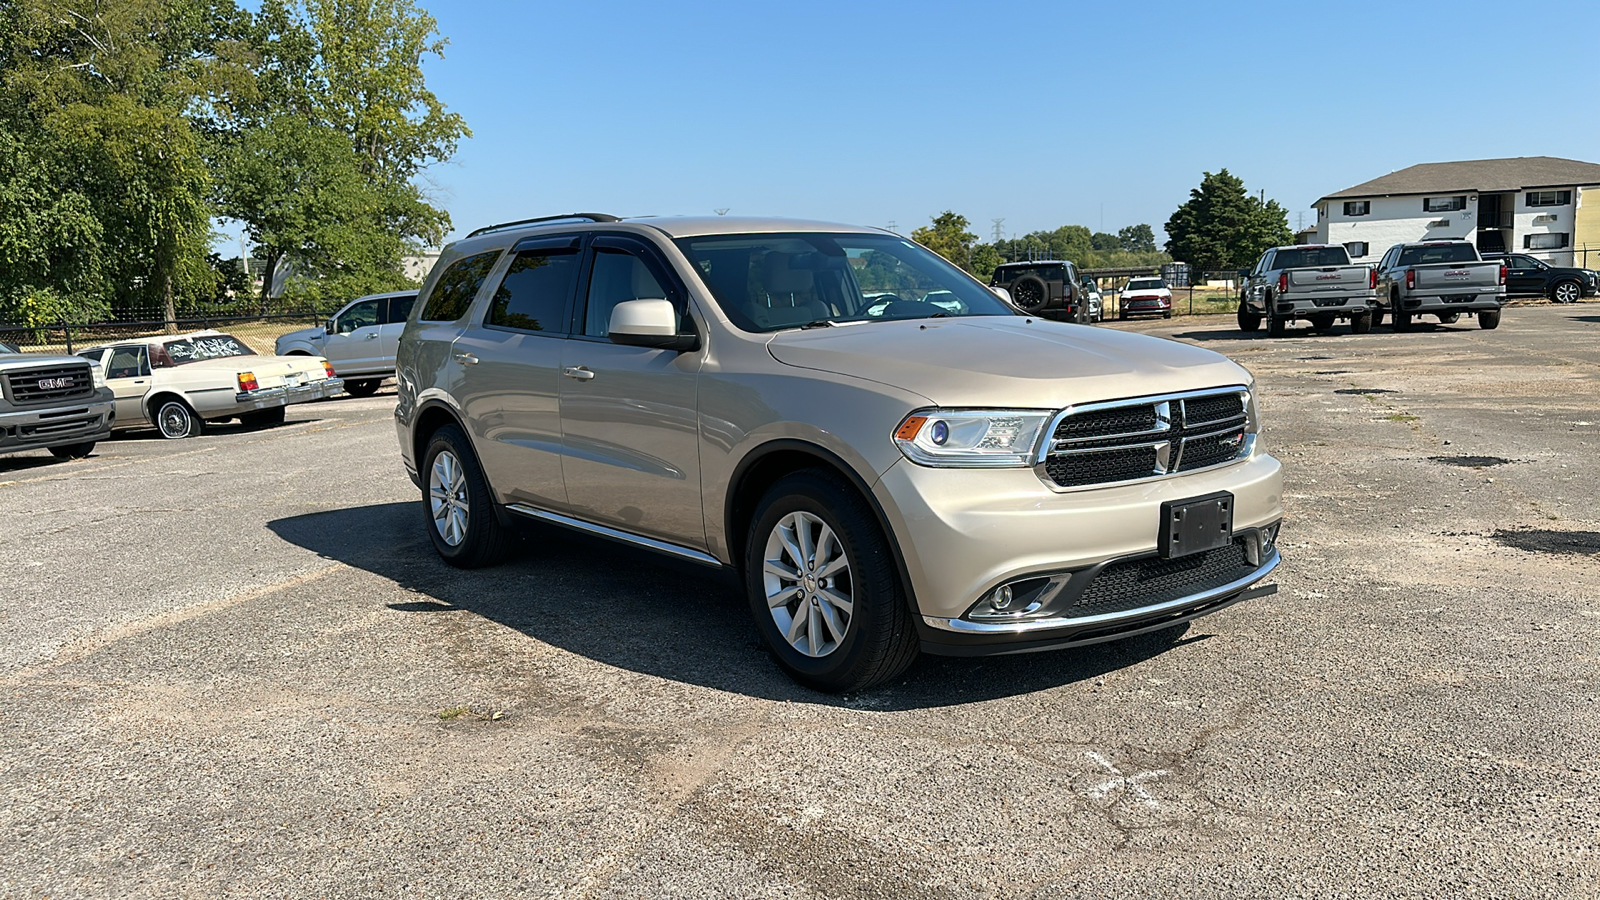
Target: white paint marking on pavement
1129, 784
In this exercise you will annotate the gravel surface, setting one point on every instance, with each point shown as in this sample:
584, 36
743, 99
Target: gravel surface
234, 667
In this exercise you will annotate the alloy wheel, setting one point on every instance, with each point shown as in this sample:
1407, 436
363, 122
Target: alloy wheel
806, 575
447, 498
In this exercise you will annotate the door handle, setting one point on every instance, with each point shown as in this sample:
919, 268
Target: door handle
466, 359
581, 373
373, 336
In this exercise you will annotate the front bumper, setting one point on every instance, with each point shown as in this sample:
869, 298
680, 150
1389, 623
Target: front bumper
1146, 305
42, 428
964, 532
267, 398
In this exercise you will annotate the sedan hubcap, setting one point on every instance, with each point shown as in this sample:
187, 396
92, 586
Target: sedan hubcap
806, 576
447, 498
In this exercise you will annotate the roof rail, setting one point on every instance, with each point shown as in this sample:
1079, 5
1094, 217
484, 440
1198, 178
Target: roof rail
580, 217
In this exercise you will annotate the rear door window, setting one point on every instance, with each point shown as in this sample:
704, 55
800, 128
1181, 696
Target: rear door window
398, 309
453, 293
536, 291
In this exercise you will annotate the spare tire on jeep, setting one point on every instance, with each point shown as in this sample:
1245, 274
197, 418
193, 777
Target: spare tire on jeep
1029, 292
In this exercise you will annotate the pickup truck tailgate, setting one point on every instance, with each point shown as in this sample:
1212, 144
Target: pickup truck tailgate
1335, 278
1448, 276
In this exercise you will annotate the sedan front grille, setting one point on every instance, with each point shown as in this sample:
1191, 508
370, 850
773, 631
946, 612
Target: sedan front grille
50, 384
1147, 438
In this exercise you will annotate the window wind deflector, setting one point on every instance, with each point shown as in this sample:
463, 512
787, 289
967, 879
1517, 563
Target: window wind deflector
564, 242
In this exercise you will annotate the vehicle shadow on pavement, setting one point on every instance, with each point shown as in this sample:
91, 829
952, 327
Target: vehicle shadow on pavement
645, 613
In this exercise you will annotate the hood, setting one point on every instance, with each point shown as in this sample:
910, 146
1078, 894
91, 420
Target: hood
310, 335
1007, 361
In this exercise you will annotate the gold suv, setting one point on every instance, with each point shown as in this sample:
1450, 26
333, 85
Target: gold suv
892, 457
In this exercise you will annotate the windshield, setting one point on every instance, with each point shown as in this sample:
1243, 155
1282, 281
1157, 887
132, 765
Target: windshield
1310, 257
1145, 284
1438, 253
213, 346
769, 282
6, 348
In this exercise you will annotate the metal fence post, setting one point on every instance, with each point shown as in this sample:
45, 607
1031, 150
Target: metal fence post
67, 329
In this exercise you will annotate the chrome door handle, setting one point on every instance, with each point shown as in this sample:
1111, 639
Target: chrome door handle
466, 359
373, 336
581, 373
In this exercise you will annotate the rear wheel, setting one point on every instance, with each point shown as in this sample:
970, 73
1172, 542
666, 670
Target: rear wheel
1489, 319
1566, 292
823, 588
364, 387
176, 420
73, 451
457, 504
1248, 321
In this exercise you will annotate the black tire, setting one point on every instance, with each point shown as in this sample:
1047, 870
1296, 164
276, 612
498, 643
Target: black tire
1029, 292
263, 418
1275, 323
1323, 322
1402, 318
1123, 316
879, 639
176, 419
73, 451
1249, 322
479, 538
1566, 292
1377, 316
1489, 319
1449, 318
1167, 314
1361, 323
364, 387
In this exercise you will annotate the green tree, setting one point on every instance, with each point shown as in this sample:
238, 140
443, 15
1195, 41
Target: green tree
1102, 241
1137, 239
1223, 226
985, 257
948, 236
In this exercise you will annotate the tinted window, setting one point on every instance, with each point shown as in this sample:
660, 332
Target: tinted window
1146, 284
1007, 274
400, 309
533, 295
1311, 257
359, 316
1437, 253
617, 276
454, 290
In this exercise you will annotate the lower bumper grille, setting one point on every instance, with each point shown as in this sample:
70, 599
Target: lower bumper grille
1131, 584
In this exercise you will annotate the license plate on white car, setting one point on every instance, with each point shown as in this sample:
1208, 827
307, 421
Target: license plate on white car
294, 379
1195, 526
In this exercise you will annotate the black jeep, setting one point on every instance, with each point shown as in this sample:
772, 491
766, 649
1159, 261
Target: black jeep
1047, 287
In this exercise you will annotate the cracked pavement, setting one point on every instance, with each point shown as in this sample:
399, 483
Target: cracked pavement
233, 667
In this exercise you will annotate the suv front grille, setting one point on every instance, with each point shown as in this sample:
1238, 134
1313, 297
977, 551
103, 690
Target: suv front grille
1135, 583
1146, 439
51, 384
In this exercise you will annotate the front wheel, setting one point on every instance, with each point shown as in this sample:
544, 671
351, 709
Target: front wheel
1489, 319
1402, 319
1566, 292
364, 387
1323, 322
1275, 324
1377, 316
1361, 323
176, 420
265, 418
457, 504
1249, 322
1449, 318
823, 588
73, 451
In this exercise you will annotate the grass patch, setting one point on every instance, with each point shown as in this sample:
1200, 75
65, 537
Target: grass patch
1402, 417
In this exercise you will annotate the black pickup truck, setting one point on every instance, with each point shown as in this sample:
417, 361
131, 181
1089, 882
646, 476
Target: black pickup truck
1529, 277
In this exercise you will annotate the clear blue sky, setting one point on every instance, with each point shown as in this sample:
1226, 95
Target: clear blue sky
1101, 114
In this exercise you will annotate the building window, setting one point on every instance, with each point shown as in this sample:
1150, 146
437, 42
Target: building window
1356, 249
1549, 240
1357, 207
1549, 198
1443, 204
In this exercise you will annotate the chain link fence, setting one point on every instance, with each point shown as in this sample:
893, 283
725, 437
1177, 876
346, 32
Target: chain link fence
259, 332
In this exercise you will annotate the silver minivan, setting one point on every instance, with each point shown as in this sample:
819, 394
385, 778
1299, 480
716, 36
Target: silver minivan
359, 341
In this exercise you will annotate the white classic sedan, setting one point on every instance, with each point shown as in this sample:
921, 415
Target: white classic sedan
177, 383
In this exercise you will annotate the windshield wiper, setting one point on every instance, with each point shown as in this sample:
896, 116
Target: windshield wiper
820, 323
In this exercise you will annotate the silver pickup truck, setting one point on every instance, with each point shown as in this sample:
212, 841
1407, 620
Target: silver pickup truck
1315, 282
55, 403
1439, 278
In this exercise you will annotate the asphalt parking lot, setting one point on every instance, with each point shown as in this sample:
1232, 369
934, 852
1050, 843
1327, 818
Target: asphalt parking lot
232, 666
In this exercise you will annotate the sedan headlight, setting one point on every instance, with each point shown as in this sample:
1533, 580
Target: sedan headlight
972, 438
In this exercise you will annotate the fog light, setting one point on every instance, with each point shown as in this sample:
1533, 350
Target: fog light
1002, 597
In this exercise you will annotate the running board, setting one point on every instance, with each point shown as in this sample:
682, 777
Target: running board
674, 550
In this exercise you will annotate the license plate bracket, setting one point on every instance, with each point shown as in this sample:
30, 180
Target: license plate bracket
1196, 525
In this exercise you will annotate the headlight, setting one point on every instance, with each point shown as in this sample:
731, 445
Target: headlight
971, 438
98, 374
1252, 415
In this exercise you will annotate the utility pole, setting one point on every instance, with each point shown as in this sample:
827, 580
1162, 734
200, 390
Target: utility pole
891, 226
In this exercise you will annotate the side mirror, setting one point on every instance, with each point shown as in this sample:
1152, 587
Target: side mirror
328, 327
648, 323
1002, 293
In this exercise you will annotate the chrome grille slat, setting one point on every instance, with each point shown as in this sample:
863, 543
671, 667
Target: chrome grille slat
24, 388
1144, 438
